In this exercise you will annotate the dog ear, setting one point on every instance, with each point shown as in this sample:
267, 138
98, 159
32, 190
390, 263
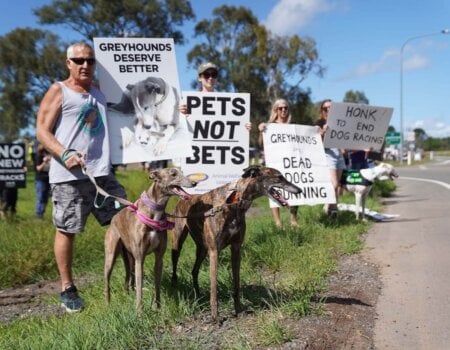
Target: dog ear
252, 171
154, 175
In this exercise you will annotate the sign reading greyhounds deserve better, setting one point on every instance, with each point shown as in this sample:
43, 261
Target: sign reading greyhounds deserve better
220, 144
140, 80
297, 151
12, 165
357, 127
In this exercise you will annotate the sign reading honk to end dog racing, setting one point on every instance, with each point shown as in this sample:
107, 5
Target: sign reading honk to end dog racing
356, 126
220, 141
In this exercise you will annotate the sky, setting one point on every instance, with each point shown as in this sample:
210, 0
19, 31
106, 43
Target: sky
358, 41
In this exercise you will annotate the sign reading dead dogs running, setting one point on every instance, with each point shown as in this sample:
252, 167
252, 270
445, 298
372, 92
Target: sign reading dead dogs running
220, 141
356, 126
297, 152
140, 80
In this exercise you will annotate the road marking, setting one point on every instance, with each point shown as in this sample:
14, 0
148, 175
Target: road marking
444, 184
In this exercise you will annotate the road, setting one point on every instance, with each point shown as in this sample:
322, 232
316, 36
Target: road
413, 252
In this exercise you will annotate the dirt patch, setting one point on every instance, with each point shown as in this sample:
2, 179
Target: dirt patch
347, 321
349, 318
37, 299
29, 300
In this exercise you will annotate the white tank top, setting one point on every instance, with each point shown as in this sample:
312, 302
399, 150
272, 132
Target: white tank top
82, 125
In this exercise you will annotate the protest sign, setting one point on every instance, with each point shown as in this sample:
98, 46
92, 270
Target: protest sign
357, 127
220, 143
297, 151
139, 78
12, 165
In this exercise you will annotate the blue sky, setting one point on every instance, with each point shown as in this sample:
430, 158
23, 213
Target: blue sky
358, 41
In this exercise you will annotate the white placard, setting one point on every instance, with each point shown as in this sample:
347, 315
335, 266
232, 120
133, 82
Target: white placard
297, 151
356, 126
220, 143
140, 80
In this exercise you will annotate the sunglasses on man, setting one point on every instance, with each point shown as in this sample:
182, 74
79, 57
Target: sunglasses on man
80, 61
208, 75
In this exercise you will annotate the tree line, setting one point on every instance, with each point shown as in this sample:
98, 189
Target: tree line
251, 57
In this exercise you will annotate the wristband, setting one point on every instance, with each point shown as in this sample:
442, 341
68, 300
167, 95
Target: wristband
68, 152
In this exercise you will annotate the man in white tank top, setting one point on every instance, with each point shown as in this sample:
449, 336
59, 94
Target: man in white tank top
72, 126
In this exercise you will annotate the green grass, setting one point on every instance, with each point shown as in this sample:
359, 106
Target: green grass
281, 271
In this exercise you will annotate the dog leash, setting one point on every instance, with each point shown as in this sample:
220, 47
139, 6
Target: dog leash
158, 225
106, 195
241, 204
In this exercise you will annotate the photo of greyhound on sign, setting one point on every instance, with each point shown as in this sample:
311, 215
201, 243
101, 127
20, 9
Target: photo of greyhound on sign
140, 81
154, 103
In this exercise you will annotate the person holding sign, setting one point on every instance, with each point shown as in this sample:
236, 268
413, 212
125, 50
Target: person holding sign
72, 126
280, 114
207, 76
334, 156
357, 159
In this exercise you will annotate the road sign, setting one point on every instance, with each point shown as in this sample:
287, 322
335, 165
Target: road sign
392, 138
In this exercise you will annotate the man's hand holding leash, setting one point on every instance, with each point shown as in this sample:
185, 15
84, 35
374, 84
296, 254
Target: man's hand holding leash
72, 158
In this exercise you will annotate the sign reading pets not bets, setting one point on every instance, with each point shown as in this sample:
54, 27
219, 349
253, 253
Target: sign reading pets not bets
220, 140
12, 165
140, 80
297, 152
356, 126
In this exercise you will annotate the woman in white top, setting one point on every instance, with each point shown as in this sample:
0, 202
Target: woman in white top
280, 114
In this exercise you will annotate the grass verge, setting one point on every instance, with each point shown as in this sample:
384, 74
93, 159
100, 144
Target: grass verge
281, 270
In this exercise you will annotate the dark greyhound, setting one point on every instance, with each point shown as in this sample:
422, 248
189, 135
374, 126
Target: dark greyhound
141, 229
216, 219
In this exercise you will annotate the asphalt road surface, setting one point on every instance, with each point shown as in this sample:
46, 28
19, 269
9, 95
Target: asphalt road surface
413, 252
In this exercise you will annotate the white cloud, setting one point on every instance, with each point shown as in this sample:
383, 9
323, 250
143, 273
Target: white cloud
416, 61
290, 15
387, 62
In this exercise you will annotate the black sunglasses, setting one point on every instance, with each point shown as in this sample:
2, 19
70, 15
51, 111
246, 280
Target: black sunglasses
80, 61
208, 75
326, 108
283, 108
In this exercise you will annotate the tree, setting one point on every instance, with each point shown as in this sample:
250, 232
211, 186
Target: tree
356, 97
30, 60
252, 59
391, 128
130, 18
420, 137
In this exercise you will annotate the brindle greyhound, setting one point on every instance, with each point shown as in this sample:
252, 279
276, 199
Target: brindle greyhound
141, 229
216, 219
